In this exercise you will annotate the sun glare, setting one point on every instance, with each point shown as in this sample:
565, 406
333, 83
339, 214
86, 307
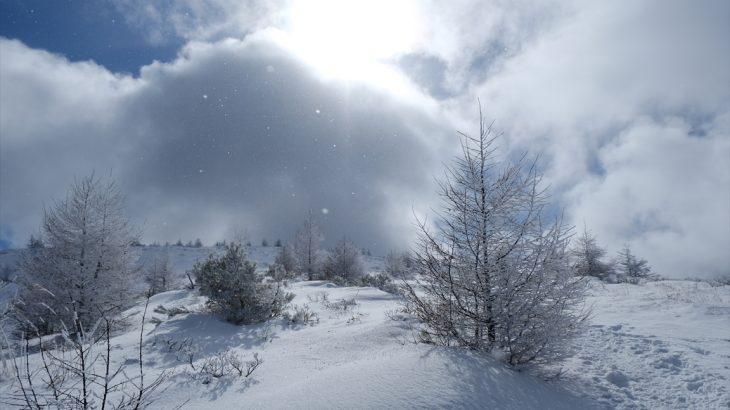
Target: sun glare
351, 39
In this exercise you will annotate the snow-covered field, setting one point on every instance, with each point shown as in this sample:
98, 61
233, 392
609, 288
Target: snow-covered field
662, 345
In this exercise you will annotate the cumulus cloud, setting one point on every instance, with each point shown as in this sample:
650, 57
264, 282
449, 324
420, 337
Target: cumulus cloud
664, 192
234, 133
57, 121
623, 101
626, 103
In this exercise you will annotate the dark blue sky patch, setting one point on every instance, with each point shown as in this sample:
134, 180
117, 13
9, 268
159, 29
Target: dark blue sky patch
82, 30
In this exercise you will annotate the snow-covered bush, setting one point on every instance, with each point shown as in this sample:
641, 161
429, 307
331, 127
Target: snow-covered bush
380, 281
277, 273
494, 274
343, 265
302, 315
228, 362
720, 281
86, 263
236, 291
171, 312
342, 305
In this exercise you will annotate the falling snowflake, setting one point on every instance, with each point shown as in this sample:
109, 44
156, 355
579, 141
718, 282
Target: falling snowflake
205, 96
317, 111
325, 211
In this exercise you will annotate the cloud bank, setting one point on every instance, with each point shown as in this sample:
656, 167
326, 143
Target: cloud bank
628, 106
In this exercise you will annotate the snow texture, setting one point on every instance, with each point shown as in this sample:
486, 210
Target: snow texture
662, 345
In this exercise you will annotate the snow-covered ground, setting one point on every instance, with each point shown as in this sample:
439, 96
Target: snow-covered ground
662, 345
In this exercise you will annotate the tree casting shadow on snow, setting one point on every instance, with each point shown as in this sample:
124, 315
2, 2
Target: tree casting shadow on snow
211, 334
485, 382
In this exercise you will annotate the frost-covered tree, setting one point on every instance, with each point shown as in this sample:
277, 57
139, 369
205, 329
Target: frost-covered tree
395, 264
306, 246
159, 273
87, 263
630, 268
236, 291
494, 272
286, 258
586, 257
35, 242
344, 262
198, 243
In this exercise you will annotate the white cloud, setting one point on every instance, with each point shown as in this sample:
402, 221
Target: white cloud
254, 152
664, 192
627, 103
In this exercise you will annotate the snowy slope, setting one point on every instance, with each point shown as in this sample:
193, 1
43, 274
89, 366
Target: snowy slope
662, 345
359, 358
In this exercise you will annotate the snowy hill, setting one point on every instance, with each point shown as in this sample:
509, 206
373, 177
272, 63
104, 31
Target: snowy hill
661, 345
355, 357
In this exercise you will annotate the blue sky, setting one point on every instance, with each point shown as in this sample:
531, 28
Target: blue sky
83, 30
258, 111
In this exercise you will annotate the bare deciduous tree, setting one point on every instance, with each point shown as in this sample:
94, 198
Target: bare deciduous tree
344, 262
306, 246
286, 258
494, 274
159, 273
395, 264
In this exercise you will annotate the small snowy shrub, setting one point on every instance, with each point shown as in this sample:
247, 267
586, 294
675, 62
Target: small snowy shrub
236, 291
227, 363
302, 315
341, 306
278, 273
720, 281
380, 281
171, 312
